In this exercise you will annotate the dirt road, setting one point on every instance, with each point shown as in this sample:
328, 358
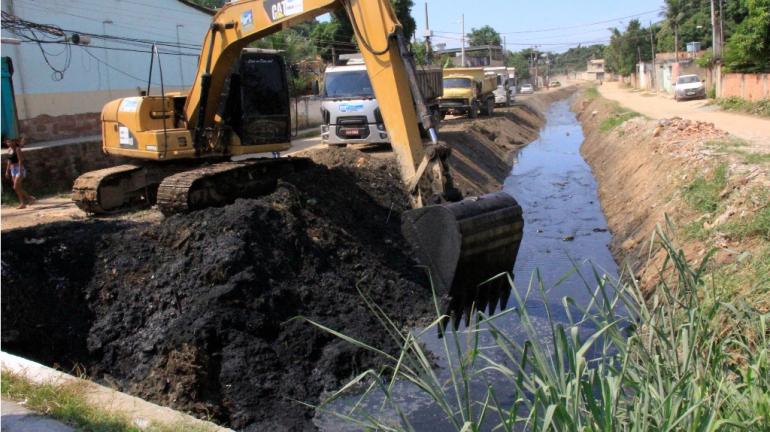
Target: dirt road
746, 127
61, 207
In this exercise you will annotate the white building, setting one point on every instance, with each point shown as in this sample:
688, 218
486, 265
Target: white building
61, 86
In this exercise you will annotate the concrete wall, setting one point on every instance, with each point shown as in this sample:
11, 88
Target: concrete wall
305, 112
752, 87
54, 168
105, 69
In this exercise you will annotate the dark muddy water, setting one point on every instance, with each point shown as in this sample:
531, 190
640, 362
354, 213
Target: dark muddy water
565, 235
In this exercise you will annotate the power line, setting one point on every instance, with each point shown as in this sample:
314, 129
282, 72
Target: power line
567, 27
176, 53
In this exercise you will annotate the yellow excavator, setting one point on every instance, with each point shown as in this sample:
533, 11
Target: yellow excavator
238, 104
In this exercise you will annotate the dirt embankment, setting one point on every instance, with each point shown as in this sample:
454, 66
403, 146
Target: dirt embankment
483, 149
712, 190
196, 311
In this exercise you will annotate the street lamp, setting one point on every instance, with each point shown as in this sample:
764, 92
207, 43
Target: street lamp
179, 56
106, 56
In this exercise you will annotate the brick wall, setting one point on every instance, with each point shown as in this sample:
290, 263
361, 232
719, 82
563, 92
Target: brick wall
751, 87
48, 128
54, 169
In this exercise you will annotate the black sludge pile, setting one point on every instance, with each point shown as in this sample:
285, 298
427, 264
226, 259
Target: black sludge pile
197, 312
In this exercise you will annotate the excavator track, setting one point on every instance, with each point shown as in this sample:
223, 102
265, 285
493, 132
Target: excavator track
223, 183
110, 189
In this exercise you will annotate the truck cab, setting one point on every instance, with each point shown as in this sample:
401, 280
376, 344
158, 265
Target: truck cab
505, 90
468, 91
350, 112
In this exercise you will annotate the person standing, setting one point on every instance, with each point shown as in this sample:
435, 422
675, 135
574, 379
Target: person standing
16, 172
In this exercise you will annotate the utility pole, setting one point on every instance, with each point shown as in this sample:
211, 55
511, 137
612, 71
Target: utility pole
505, 52
537, 74
652, 49
106, 58
428, 34
462, 49
716, 30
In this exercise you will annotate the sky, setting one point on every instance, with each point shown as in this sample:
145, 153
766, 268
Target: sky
555, 25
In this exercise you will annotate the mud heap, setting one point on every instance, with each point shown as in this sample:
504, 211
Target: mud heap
197, 312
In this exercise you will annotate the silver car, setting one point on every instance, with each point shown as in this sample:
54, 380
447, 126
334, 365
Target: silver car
526, 89
689, 87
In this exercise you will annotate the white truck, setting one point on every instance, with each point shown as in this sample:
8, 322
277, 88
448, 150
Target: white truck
350, 112
506, 84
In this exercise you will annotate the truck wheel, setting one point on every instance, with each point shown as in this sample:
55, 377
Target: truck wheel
474, 110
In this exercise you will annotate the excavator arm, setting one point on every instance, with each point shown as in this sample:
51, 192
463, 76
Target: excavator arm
380, 37
464, 243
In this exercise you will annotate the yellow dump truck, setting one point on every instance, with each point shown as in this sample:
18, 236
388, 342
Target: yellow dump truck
468, 91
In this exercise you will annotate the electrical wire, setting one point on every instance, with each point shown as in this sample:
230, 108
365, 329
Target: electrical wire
566, 27
39, 34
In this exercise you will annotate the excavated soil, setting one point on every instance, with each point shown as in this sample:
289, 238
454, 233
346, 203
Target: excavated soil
199, 312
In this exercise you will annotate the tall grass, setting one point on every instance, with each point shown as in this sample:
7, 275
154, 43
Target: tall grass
703, 192
679, 358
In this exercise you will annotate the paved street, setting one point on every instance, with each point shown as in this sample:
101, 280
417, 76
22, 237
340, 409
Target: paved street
16, 418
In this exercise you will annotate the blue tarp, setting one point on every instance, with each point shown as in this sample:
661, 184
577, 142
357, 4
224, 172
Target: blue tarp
10, 126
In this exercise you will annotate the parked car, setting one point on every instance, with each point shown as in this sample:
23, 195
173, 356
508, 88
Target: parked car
526, 89
689, 87
554, 84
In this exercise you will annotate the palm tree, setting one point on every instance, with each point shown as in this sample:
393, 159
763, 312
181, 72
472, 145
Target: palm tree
673, 11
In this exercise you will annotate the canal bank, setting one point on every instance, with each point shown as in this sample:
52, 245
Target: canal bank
707, 190
564, 251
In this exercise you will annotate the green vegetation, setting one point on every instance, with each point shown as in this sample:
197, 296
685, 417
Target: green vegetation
686, 356
617, 118
66, 403
703, 192
592, 93
755, 224
484, 36
62, 402
760, 108
626, 48
748, 49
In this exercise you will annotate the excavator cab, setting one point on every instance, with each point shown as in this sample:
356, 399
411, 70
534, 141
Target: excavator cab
257, 98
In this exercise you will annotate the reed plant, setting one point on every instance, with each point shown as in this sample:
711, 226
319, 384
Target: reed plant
679, 357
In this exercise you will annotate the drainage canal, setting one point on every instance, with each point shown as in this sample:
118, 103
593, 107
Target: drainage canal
565, 240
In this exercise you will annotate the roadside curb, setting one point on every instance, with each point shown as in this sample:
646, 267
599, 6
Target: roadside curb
140, 412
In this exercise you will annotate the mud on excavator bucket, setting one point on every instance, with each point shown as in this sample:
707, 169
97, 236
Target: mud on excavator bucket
465, 244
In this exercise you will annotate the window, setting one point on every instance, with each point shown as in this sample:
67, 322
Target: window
348, 84
457, 83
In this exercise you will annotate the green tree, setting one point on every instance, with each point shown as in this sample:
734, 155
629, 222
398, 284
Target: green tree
403, 10
748, 49
484, 36
420, 53
674, 13
627, 48
575, 59
520, 61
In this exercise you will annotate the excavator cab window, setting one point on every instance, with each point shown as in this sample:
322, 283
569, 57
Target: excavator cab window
265, 116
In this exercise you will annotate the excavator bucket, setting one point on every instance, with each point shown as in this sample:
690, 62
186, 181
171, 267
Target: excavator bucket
465, 244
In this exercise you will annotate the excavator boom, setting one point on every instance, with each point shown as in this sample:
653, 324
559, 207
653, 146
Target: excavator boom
463, 243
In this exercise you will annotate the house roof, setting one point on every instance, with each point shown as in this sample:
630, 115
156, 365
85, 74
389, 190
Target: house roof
470, 48
198, 7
